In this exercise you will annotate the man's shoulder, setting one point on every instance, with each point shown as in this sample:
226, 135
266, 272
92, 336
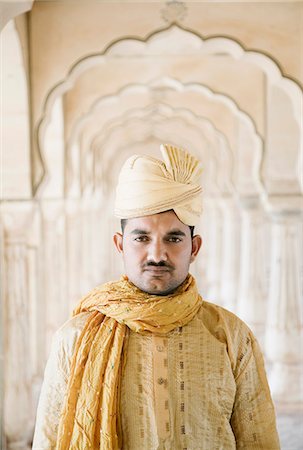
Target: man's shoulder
228, 329
74, 324
67, 335
218, 318
219, 311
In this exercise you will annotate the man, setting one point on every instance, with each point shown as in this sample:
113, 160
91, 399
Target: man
145, 363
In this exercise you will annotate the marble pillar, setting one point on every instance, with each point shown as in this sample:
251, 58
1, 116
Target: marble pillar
251, 303
87, 282
199, 267
230, 252
54, 295
16, 222
213, 244
284, 326
106, 229
99, 216
73, 251
2, 276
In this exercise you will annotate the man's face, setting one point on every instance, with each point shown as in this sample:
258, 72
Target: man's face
157, 251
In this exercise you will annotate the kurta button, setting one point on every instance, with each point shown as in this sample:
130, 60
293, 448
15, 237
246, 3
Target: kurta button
162, 381
160, 348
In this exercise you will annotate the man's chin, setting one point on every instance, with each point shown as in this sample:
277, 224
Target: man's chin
157, 288
156, 284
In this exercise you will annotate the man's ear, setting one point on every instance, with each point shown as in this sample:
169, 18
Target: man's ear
196, 245
118, 241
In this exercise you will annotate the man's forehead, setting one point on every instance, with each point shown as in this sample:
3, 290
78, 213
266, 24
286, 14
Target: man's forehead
166, 221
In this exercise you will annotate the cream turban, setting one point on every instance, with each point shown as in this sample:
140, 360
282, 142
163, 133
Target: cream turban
148, 186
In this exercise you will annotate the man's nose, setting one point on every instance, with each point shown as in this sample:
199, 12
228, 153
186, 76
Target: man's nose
157, 252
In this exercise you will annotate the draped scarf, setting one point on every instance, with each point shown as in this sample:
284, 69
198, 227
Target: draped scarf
90, 416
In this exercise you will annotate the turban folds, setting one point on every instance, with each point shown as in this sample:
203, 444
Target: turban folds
149, 186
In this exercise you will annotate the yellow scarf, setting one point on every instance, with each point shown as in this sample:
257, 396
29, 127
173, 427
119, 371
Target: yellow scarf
90, 416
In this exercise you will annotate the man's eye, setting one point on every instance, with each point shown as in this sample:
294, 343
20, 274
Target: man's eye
141, 239
174, 239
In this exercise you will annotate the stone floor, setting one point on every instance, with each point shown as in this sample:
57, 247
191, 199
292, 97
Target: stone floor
291, 431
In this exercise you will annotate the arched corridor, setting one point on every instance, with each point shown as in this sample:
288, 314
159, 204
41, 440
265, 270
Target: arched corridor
84, 86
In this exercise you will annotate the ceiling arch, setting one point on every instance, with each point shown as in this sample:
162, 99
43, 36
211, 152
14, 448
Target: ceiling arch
106, 109
139, 129
97, 142
158, 87
152, 45
146, 122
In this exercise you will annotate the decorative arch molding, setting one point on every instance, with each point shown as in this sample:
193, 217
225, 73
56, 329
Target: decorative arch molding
147, 121
104, 107
252, 152
161, 85
152, 44
139, 130
111, 106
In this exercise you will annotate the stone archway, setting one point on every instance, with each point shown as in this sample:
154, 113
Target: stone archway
153, 45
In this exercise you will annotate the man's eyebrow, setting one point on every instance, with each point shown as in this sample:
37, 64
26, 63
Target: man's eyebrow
139, 231
176, 233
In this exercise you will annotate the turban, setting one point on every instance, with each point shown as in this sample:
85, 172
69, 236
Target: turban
149, 186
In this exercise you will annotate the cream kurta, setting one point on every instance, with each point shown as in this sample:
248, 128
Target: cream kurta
202, 386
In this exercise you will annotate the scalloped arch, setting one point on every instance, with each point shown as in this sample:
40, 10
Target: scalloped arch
132, 90
162, 83
150, 44
168, 83
109, 165
202, 126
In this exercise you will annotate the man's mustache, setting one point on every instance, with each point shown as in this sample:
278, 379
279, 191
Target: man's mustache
158, 264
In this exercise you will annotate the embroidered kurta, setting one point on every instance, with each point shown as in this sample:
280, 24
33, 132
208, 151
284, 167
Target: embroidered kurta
201, 386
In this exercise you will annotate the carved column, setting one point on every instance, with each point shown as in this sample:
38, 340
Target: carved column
116, 266
99, 218
213, 243
85, 245
2, 276
87, 282
230, 252
251, 295
73, 251
284, 328
54, 266
199, 266
105, 217
16, 221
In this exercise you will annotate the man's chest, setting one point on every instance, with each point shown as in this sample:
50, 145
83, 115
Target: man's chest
176, 386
